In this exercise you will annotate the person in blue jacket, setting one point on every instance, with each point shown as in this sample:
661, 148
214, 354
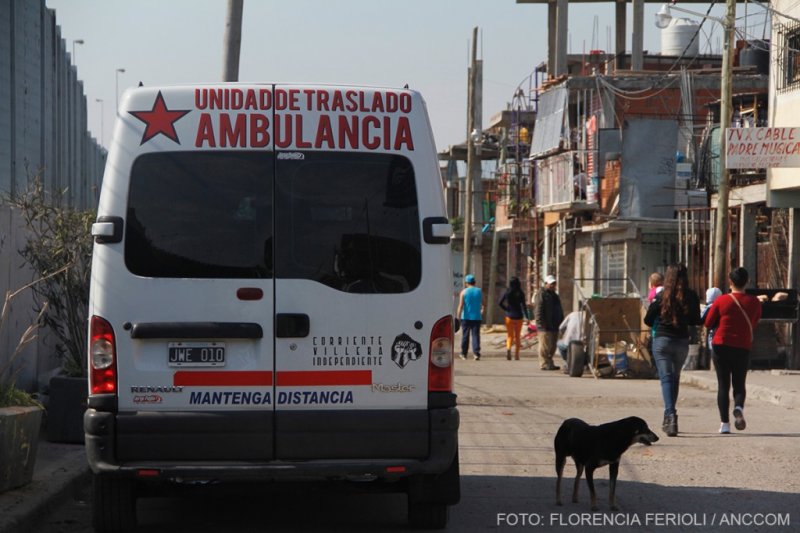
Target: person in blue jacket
470, 309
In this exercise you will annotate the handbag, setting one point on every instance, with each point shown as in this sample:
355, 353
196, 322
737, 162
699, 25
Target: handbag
750, 325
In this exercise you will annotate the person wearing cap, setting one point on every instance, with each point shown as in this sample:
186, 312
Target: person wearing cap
470, 309
548, 315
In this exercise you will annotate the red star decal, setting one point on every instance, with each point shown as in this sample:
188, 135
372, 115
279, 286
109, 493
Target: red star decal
159, 120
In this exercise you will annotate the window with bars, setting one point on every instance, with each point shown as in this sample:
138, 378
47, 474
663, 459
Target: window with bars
613, 269
789, 58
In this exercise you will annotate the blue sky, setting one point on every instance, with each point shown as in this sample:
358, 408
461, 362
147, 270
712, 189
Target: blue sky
424, 43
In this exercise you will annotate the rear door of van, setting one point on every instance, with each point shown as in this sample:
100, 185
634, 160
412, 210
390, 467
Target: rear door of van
274, 288
189, 291
355, 298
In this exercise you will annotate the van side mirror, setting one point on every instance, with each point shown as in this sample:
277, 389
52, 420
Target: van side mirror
436, 230
107, 230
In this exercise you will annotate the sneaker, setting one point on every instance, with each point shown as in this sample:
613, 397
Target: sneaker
738, 415
477, 357
724, 428
463, 356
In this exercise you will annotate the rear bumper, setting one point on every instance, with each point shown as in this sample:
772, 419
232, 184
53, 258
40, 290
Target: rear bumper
113, 448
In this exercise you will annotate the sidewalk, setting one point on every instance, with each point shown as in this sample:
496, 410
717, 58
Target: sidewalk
61, 468
779, 387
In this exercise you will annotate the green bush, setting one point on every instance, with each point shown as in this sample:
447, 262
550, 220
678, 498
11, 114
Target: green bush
59, 250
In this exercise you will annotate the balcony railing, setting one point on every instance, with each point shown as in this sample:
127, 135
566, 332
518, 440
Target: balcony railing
559, 187
514, 197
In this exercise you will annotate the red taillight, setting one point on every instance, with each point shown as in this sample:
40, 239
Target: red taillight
440, 367
102, 357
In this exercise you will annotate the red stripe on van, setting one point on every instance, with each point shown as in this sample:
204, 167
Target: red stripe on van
324, 377
188, 378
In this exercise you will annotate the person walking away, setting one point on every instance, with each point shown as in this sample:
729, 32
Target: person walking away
570, 330
656, 286
548, 315
734, 316
470, 309
513, 303
673, 311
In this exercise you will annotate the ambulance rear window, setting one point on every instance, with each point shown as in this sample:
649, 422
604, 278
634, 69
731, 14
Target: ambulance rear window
200, 215
348, 220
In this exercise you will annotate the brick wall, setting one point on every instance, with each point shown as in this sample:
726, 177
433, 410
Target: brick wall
609, 185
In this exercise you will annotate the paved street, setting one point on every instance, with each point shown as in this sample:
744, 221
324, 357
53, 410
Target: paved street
699, 481
511, 411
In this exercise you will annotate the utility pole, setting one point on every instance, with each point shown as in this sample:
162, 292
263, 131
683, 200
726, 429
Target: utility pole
721, 223
233, 41
471, 142
491, 308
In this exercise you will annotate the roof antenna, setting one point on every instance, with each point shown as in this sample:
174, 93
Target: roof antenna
405, 86
141, 84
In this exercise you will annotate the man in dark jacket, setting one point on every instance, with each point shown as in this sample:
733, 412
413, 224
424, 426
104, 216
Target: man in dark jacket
548, 315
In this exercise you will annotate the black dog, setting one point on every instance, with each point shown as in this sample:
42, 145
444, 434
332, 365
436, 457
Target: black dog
594, 446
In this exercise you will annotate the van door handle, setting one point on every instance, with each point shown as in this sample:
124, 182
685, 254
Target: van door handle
195, 330
289, 325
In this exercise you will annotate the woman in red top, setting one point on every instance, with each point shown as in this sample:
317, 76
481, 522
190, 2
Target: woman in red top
735, 317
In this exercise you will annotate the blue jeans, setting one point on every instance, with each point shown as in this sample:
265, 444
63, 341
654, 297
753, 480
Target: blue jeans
563, 349
471, 328
670, 354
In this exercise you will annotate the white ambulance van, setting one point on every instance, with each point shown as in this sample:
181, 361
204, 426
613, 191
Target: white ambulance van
270, 296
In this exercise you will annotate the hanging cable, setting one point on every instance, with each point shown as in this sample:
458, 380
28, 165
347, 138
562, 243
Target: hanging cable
774, 11
630, 94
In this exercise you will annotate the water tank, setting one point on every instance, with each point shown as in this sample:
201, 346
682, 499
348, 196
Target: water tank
676, 37
755, 54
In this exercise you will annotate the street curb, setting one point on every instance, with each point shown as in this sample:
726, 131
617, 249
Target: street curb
38, 499
759, 392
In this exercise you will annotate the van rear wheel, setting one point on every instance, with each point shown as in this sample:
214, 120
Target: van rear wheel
113, 504
426, 515
429, 497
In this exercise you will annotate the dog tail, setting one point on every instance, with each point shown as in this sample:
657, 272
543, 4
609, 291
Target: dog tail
560, 443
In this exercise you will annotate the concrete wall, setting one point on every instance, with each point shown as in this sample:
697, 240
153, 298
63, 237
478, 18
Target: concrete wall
43, 121
43, 131
784, 105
